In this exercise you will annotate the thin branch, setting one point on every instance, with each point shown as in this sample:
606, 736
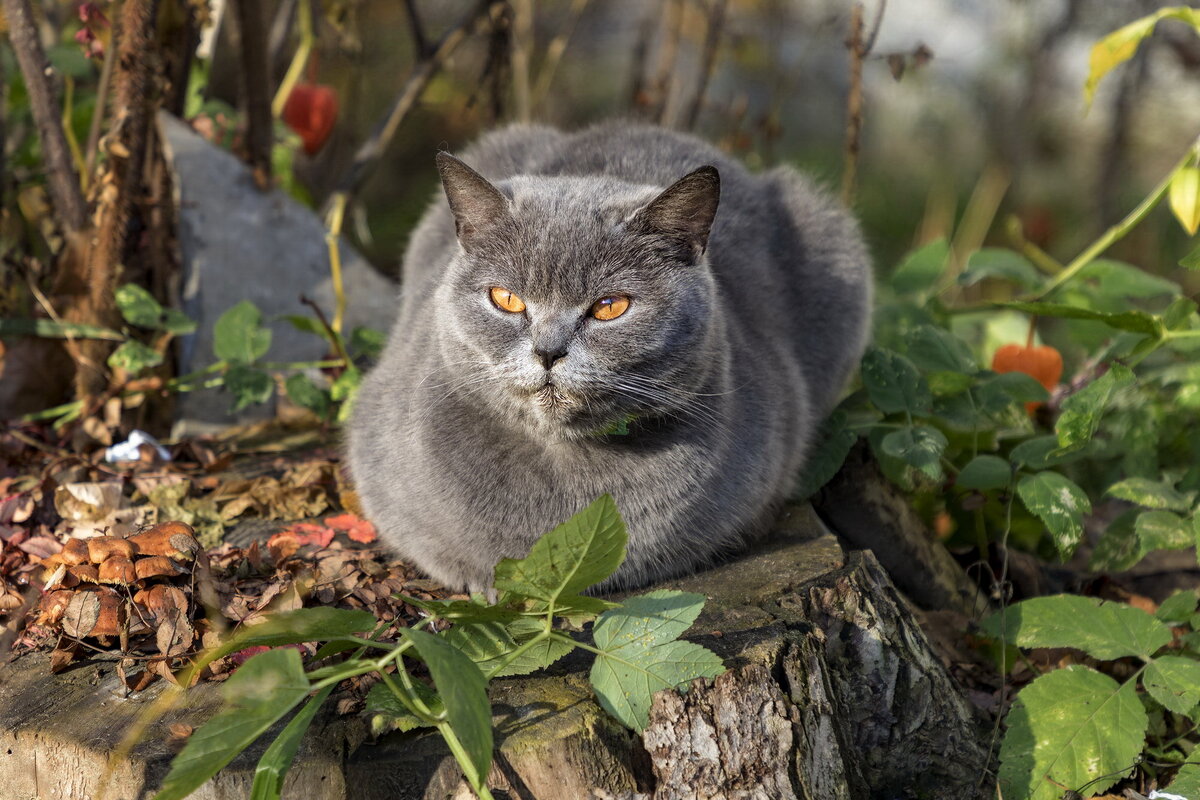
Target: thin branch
554, 53
63, 180
280, 35
854, 105
672, 30
521, 43
417, 28
876, 23
98, 111
255, 79
712, 40
373, 149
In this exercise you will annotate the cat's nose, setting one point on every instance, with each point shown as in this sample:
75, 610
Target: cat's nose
547, 356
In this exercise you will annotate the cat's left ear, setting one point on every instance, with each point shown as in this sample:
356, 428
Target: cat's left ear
478, 206
684, 212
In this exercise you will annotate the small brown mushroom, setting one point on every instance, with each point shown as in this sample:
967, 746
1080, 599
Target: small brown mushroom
161, 601
174, 539
53, 605
102, 548
75, 551
88, 573
118, 569
155, 567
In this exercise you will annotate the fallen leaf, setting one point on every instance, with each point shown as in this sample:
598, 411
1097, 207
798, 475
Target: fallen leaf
358, 529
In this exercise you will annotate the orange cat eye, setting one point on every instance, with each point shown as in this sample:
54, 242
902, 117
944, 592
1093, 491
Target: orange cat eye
610, 307
506, 300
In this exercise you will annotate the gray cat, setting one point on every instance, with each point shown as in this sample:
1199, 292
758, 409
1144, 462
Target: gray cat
564, 297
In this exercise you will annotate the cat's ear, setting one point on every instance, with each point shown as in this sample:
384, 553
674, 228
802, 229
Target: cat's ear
477, 205
684, 212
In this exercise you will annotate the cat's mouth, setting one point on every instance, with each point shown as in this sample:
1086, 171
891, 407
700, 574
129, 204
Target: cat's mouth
551, 398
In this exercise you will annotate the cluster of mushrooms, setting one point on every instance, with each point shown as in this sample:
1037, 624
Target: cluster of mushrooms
109, 586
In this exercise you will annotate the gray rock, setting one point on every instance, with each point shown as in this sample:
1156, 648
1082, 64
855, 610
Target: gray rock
239, 243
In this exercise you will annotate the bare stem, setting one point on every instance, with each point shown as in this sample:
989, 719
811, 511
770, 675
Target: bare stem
61, 176
712, 42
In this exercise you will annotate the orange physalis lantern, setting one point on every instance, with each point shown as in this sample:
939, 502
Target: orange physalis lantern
1044, 364
311, 110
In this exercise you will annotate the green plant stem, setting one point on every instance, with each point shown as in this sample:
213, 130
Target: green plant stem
472, 775
1119, 230
299, 60
408, 698
333, 229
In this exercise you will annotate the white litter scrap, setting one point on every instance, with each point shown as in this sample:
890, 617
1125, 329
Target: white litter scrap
128, 449
1157, 795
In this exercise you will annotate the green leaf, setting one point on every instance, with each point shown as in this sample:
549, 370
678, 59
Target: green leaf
1191, 260
894, 384
580, 552
1041, 452
984, 472
306, 394
1119, 46
1179, 313
948, 384
49, 329
177, 322
346, 384
998, 262
1162, 530
488, 643
1122, 281
1119, 547
388, 713
261, 691
642, 656
247, 385
367, 342
937, 350
1081, 412
1103, 630
463, 690
1058, 503
1070, 728
133, 357
1151, 494
138, 306
919, 446
273, 766
1135, 321
292, 627
1186, 782
998, 392
834, 442
307, 325
920, 268
1174, 681
238, 335
1184, 197
1179, 607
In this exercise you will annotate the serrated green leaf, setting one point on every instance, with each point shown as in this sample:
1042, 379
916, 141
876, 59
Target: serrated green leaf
261, 691
894, 384
247, 385
937, 350
1082, 411
49, 329
273, 765
948, 384
1162, 530
1070, 728
1135, 321
834, 442
1058, 503
625, 680
1119, 547
387, 713
1179, 607
463, 690
1184, 197
238, 335
133, 357
580, 552
1151, 494
138, 306
919, 446
1122, 281
1041, 452
488, 643
1103, 630
921, 268
998, 262
1174, 681
984, 472
306, 394
1186, 782
463, 610
647, 620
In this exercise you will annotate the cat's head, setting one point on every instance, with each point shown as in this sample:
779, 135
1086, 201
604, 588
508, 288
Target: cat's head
578, 302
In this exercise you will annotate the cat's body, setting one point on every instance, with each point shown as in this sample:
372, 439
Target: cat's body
481, 429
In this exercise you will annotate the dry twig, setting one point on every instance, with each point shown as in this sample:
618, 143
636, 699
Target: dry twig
714, 27
859, 44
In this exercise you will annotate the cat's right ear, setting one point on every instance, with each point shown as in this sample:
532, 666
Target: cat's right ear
477, 205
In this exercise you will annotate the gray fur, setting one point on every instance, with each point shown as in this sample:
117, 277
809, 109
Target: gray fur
729, 363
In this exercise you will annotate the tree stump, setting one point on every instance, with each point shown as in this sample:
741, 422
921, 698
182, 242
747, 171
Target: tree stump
832, 692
